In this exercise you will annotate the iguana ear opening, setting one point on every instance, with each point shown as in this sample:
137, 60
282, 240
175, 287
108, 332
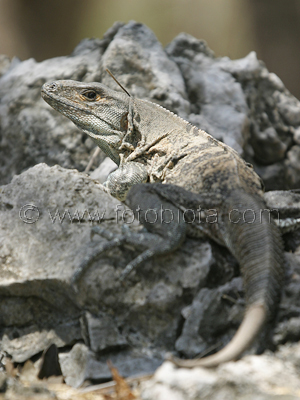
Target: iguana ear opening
124, 122
133, 118
130, 119
132, 137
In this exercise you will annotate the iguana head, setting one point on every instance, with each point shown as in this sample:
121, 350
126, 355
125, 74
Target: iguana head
99, 111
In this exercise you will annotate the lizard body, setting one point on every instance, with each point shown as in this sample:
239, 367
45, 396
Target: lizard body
165, 161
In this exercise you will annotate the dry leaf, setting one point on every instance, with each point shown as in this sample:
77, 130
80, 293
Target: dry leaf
28, 373
10, 369
123, 391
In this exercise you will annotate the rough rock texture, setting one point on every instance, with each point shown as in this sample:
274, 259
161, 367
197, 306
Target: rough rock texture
45, 231
105, 168
190, 301
186, 301
268, 377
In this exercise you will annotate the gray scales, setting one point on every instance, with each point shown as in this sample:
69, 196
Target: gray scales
166, 164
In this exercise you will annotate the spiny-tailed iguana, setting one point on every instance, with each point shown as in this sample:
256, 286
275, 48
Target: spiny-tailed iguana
164, 162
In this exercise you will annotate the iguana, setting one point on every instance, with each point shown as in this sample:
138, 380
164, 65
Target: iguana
165, 163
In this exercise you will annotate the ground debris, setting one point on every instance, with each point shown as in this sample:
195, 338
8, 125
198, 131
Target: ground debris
22, 383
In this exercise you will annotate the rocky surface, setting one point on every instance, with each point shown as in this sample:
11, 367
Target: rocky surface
187, 302
268, 377
46, 218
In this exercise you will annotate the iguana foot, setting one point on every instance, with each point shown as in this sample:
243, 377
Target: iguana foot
113, 241
151, 244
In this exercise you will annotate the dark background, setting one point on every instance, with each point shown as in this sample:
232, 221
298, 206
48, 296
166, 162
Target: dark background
49, 28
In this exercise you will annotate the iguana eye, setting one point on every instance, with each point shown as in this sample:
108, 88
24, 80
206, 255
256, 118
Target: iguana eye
90, 95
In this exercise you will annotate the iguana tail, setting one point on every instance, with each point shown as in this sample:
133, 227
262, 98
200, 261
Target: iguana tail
255, 241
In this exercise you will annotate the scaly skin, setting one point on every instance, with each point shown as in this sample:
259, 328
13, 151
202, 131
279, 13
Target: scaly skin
151, 144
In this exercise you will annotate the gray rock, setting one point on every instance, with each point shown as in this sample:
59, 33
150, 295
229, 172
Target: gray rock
287, 331
102, 332
287, 203
141, 65
292, 167
81, 364
73, 364
42, 247
297, 135
45, 235
105, 168
23, 343
248, 68
128, 363
217, 101
271, 376
40, 252
212, 312
196, 274
289, 108
273, 176
56, 222
267, 146
4, 64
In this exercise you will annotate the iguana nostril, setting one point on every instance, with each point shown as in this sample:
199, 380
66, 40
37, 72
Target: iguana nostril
52, 86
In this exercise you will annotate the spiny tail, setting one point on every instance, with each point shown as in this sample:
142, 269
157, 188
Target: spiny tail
255, 241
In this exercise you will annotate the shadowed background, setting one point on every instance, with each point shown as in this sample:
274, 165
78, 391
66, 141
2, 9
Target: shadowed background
49, 28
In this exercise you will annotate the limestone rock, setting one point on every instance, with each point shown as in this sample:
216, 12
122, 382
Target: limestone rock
187, 301
268, 377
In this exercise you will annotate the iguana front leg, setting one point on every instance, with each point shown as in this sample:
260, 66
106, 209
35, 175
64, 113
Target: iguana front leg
120, 181
165, 230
